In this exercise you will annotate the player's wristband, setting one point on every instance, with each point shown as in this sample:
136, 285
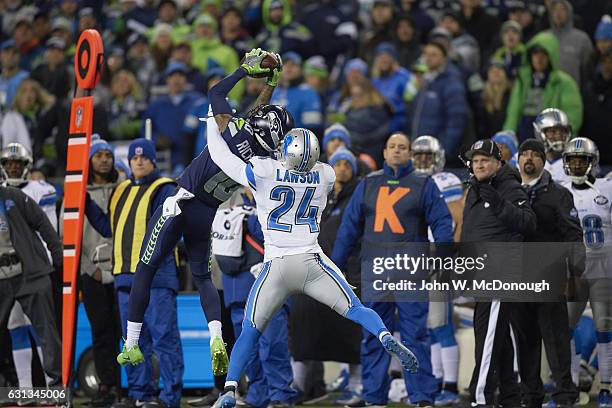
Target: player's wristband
218, 93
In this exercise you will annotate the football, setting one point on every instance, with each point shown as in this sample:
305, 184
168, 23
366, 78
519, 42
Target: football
269, 61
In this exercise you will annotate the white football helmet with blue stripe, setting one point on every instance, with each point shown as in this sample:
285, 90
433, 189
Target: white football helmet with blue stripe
16, 152
581, 147
429, 145
300, 150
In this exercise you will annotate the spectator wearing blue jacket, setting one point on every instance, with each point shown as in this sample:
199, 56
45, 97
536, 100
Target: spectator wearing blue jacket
391, 80
299, 98
168, 113
440, 107
269, 368
408, 204
11, 75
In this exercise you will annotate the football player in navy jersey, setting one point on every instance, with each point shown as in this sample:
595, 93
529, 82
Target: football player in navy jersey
202, 187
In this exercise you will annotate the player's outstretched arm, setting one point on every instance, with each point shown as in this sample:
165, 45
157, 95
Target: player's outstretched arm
221, 154
217, 96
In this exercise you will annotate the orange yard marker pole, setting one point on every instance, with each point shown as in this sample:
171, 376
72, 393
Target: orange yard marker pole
87, 65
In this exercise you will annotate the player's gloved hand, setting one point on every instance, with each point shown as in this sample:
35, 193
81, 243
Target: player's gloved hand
491, 196
252, 62
276, 72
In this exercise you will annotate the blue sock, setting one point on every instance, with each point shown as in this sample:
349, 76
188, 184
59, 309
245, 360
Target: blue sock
242, 351
20, 338
367, 318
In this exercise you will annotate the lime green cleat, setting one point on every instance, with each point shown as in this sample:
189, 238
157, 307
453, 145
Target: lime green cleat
132, 356
218, 355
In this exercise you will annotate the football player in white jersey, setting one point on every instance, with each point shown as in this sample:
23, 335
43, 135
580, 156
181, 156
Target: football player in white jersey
553, 129
428, 159
593, 200
291, 194
15, 165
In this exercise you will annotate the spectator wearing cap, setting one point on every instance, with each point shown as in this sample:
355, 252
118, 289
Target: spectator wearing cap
195, 78
508, 146
12, 74
42, 27
87, 19
603, 34
298, 97
496, 210
355, 70
316, 76
161, 47
334, 32
597, 97
233, 33
144, 189
96, 276
207, 46
126, 107
338, 136
168, 113
541, 84
280, 33
464, 46
512, 51
367, 115
575, 45
406, 40
423, 22
494, 100
140, 61
480, 24
391, 80
168, 12
440, 109
53, 72
61, 28
381, 30
27, 44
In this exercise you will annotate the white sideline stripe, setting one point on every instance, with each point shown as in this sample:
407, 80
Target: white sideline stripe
67, 290
77, 141
69, 252
71, 215
72, 178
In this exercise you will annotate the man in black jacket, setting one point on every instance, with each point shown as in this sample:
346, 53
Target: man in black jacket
496, 210
557, 221
25, 271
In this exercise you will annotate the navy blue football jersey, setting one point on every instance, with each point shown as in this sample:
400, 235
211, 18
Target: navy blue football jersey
203, 178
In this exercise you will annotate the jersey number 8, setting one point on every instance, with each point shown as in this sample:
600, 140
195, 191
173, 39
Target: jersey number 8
593, 233
305, 214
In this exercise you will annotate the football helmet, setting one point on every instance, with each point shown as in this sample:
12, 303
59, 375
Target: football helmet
552, 118
270, 124
581, 147
16, 152
428, 145
300, 150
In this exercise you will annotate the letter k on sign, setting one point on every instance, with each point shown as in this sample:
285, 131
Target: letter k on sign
385, 211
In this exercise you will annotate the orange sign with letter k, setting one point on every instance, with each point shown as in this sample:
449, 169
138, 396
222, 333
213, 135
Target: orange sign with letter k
384, 209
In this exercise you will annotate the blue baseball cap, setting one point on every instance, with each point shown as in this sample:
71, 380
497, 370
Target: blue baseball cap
292, 56
175, 67
142, 147
385, 48
356, 64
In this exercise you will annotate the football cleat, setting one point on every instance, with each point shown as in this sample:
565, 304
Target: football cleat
446, 398
225, 400
340, 383
132, 356
604, 400
218, 355
405, 356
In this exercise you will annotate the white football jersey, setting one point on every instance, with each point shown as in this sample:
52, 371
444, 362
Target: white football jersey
594, 207
289, 205
451, 188
449, 185
556, 171
44, 195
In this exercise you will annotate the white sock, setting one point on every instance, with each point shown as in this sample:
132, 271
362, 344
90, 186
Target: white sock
133, 334
23, 366
436, 361
450, 363
575, 363
299, 373
604, 358
214, 328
